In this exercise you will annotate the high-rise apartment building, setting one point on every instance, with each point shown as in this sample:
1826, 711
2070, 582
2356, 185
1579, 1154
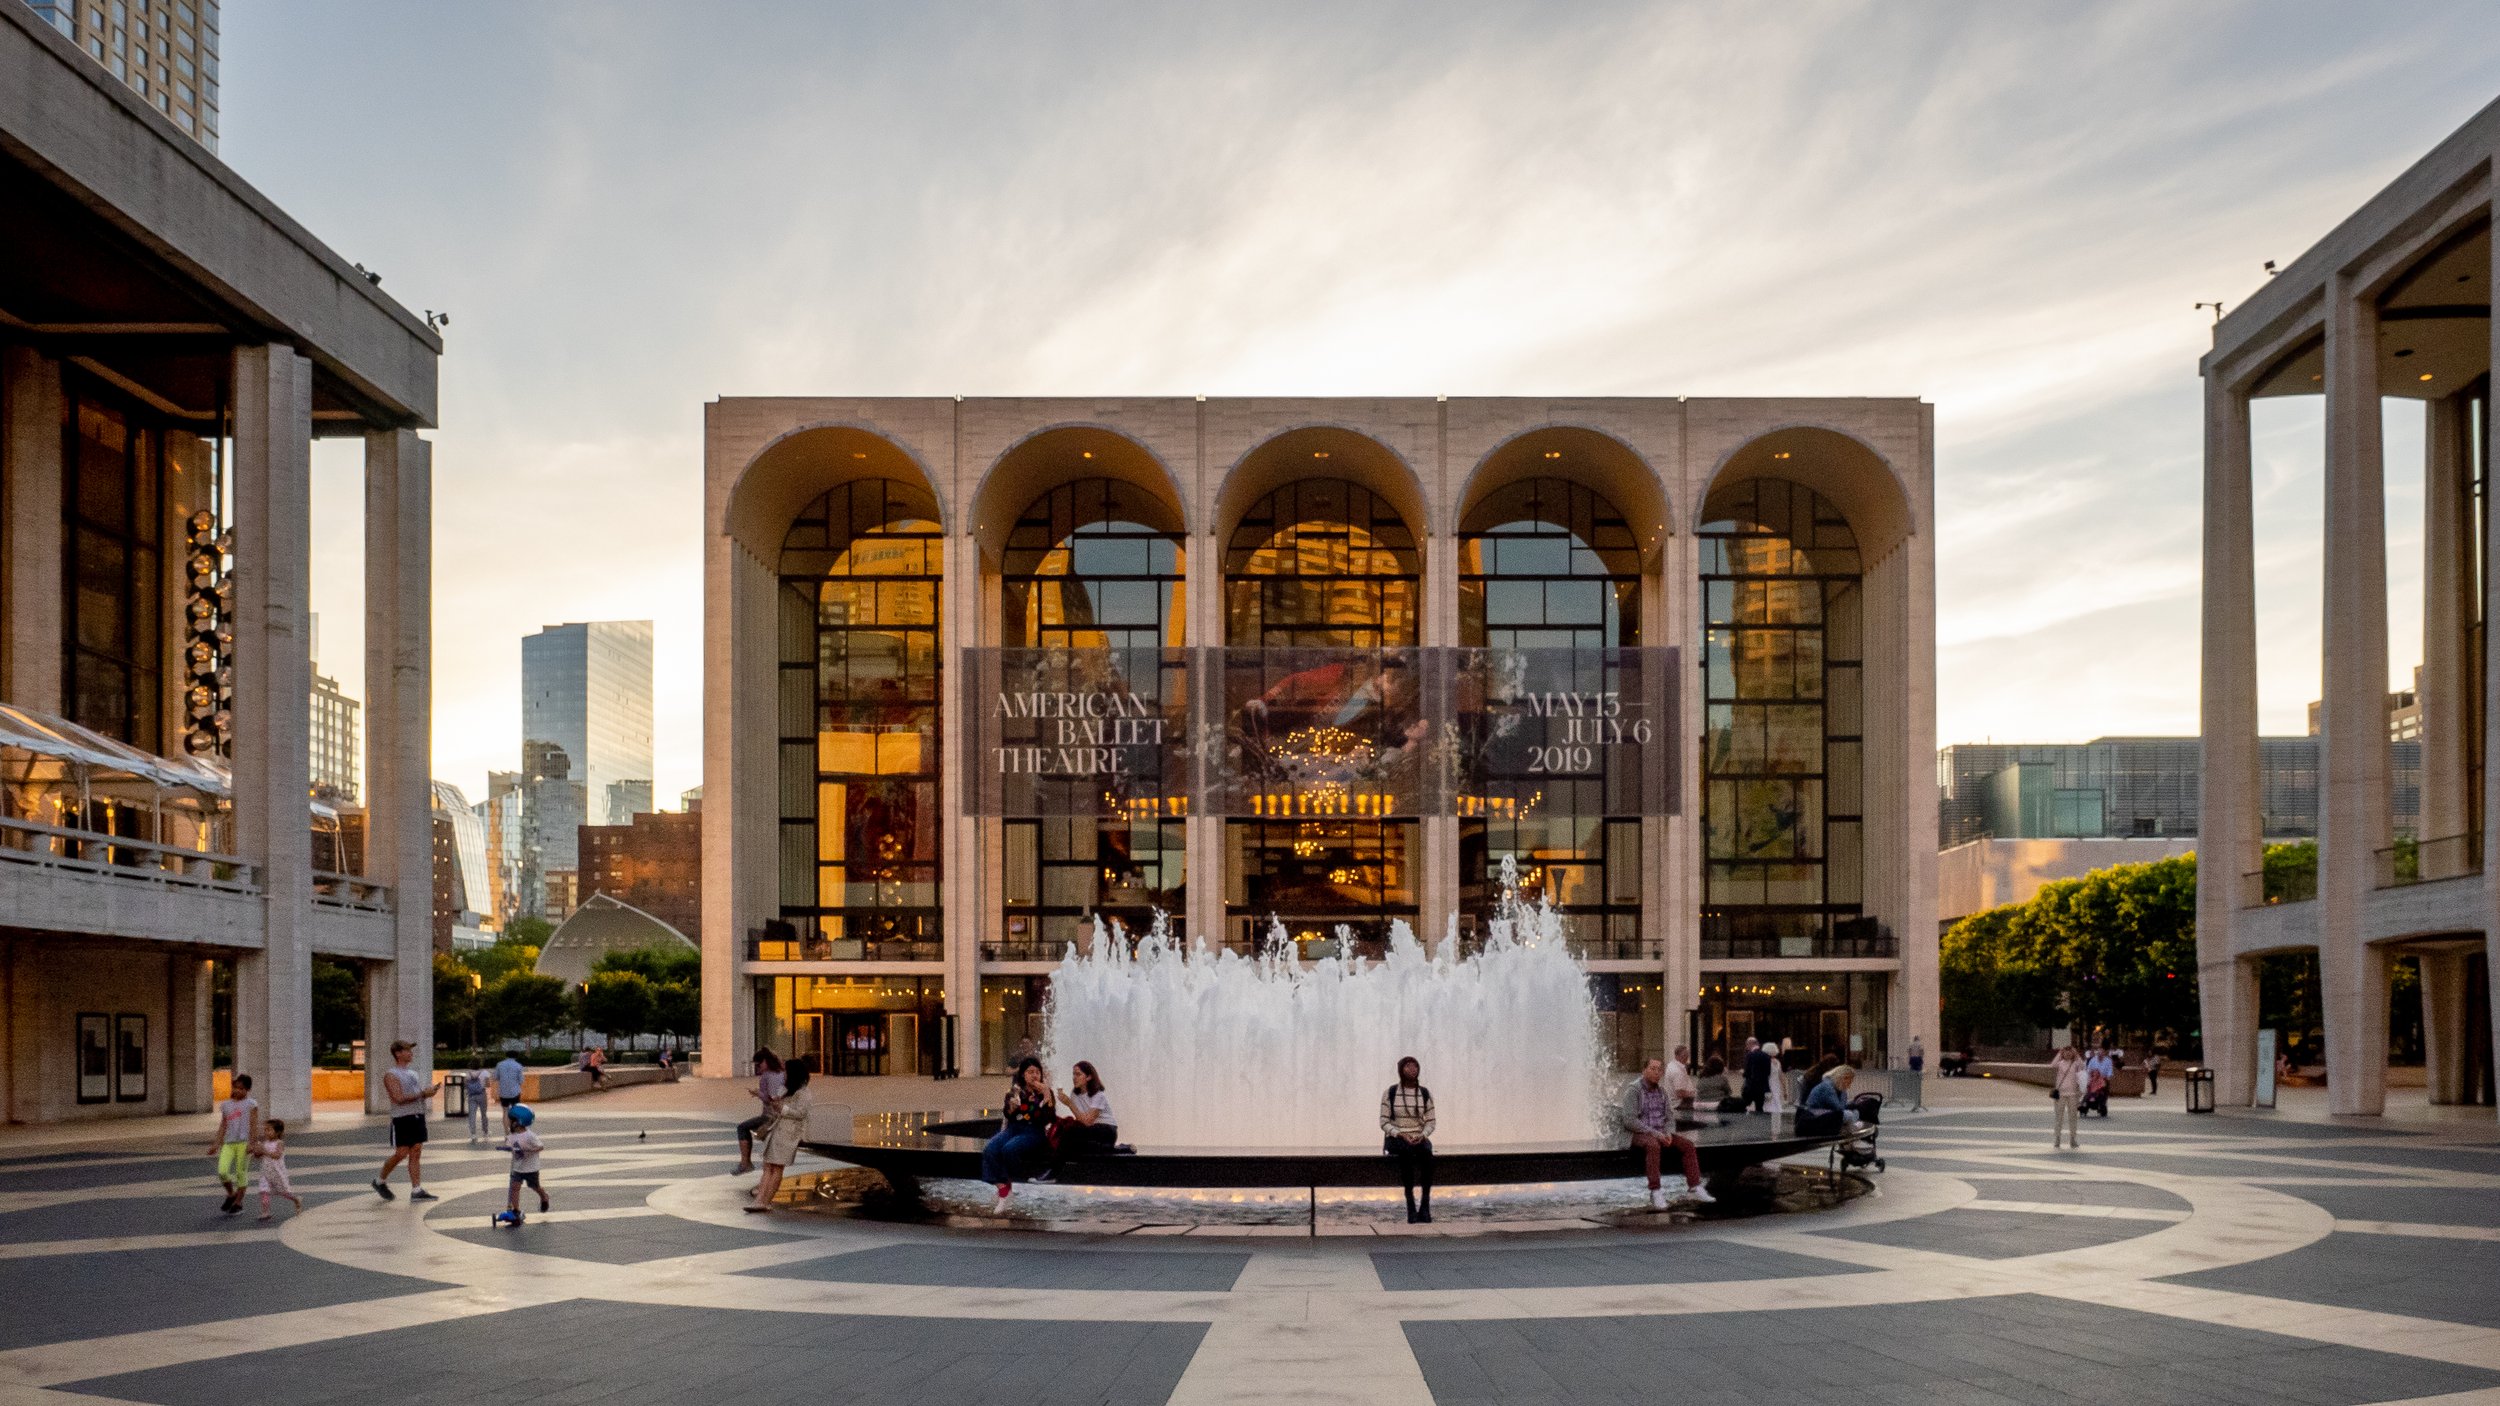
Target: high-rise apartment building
335, 747
654, 863
165, 50
585, 731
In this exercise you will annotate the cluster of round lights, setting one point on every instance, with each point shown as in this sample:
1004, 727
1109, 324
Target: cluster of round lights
208, 654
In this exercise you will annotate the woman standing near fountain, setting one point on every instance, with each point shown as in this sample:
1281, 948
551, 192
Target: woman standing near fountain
1406, 1124
1023, 1137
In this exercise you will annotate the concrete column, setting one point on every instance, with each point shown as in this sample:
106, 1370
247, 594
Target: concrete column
741, 789
2352, 763
1670, 859
273, 718
1202, 569
966, 917
190, 1039
31, 406
1435, 871
2443, 1025
1917, 932
2446, 578
399, 795
2229, 847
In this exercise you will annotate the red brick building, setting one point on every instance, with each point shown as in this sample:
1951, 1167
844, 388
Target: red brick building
655, 863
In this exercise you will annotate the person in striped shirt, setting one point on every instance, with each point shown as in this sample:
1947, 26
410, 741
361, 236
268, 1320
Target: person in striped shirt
1406, 1123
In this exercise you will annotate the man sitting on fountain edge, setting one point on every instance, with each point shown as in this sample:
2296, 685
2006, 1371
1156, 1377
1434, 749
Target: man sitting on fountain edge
1647, 1112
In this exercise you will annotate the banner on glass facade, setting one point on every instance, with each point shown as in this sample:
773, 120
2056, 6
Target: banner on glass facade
1283, 733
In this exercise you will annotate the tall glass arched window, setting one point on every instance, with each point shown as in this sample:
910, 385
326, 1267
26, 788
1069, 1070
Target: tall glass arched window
1086, 568
1546, 563
861, 569
1320, 564
1782, 741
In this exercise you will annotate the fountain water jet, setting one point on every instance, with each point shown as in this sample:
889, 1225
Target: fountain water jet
1205, 1048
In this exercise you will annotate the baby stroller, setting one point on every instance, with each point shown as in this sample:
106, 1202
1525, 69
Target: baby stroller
1860, 1151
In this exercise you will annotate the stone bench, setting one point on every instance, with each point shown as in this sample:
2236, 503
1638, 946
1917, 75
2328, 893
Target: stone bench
544, 1085
2126, 1083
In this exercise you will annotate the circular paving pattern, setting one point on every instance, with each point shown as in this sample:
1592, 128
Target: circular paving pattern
2219, 1258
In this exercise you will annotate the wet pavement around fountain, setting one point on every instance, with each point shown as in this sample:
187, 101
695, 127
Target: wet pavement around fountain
2232, 1258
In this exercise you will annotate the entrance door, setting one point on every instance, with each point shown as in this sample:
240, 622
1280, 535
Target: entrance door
1831, 1033
1740, 1028
902, 1043
811, 1041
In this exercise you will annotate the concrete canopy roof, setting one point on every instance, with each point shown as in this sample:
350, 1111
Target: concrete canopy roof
132, 249
597, 928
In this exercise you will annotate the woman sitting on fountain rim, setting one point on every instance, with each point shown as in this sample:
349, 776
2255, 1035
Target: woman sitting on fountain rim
1023, 1137
1406, 1123
1089, 1126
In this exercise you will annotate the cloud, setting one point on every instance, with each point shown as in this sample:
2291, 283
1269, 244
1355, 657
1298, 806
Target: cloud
631, 208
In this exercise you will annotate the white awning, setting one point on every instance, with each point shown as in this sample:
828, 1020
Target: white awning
46, 735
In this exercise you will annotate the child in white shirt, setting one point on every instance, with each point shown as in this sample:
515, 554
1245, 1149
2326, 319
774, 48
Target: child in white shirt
524, 1147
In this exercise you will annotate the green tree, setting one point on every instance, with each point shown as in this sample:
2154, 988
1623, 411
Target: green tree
2114, 949
509, 954
528, 932
456, 991
617, 1004
338, 1004
657, 963
526, 1005
676, 1008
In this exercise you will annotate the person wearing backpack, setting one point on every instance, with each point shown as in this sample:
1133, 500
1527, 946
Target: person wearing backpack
1406, 1123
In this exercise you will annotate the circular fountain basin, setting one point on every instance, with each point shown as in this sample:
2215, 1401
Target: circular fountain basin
908, 1148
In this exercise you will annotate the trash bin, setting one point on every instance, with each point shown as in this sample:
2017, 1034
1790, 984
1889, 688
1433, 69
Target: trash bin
455, 1098
2200, 1089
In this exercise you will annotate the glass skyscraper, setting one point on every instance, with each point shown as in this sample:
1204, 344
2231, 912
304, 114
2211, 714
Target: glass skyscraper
585, 730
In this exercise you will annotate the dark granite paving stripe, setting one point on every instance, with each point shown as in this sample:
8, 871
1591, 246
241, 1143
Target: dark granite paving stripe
627, 1240
1910, 1161
1998, 1235
107, 1217
2410, 1157
2447, 1280
2020, 1349
570, 1197
86, 1176
2424, 1205
65, 1298
586, 1351
2068, 1192
977, 1267
1654, 1261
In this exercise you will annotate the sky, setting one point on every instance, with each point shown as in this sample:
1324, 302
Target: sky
631, 208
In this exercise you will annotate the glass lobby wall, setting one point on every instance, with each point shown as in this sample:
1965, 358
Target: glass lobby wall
853, 1024
1817, 1013
1084, 572
860, 758
1631, 1017
1011, 1019
1320, 563
1781, 745
1548, 564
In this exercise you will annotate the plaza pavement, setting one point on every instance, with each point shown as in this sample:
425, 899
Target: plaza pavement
2237, 1258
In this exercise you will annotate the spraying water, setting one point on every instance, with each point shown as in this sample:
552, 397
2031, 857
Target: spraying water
1212, 1049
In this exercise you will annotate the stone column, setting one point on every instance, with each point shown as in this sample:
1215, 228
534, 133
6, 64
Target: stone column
1917, 931
399, 791
191, 1051
1202, 569
2443, 1025
2352, 744
31, 406
2445, 577
273, 718
1670, 863
1434, 872
2229, 847
967, 916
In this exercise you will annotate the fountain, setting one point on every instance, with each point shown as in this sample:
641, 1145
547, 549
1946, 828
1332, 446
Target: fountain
1209, 1048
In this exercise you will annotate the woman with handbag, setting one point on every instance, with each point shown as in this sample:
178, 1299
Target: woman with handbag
789, 1128
1406, 1123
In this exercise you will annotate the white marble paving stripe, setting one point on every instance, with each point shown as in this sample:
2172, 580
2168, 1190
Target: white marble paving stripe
55, 1363
2070, 1208
2462, 1344
115, 1244
1367, 1364
592, 1214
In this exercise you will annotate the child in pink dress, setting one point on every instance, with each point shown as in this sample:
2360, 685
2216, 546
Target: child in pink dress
269, 1176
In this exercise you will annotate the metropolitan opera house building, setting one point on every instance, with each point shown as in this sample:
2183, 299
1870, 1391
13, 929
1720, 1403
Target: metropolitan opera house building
984, 678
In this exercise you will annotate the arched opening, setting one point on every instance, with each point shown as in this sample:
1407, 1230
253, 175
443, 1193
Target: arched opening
1323, 575
861, 570
1097, 564
1549, 564
1782, 784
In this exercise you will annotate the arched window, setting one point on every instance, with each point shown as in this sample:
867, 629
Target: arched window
1320, 564
1085, 570
860, 756
1546, 563
1782, 735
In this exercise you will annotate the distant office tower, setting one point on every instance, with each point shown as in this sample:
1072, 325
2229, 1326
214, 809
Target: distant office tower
165, 50
585, 731
335, 749
462, 890
506, 856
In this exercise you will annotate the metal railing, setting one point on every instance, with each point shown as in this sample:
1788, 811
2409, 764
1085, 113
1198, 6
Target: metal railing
346, 891
2267, 887
1880, 943
764, 947
2425, 861
120, 857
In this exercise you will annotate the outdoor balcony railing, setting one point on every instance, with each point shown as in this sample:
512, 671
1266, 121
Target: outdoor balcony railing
2268, 887
2425, 861
1879, 943
766, 946
349, 892
116, 856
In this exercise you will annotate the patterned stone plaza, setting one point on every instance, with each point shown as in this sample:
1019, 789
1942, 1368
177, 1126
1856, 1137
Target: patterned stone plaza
2236, 1258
